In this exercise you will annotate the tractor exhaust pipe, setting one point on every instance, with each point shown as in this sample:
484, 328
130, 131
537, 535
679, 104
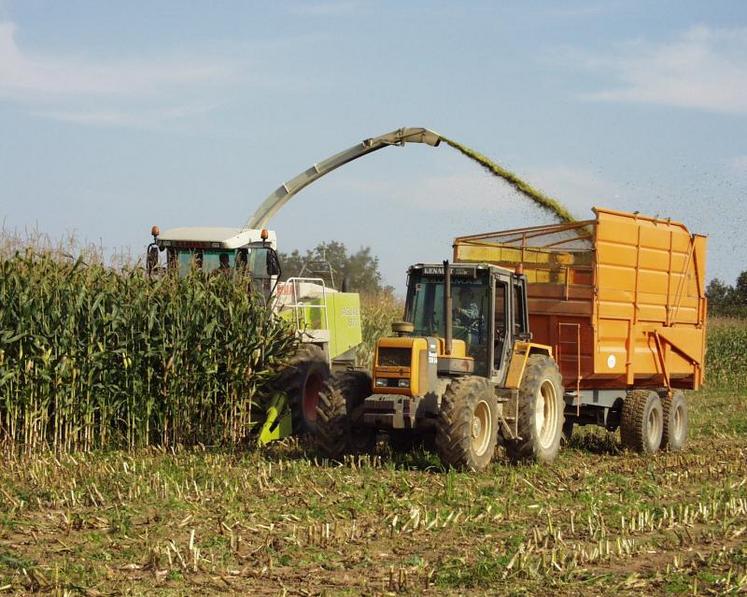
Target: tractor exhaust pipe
447, 306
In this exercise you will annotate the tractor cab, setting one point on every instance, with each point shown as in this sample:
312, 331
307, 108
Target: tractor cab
216, 250
486, 312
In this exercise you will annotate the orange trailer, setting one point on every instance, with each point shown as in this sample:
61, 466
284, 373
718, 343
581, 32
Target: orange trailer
620, 298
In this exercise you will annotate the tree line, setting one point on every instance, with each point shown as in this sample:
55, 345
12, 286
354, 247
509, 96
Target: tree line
727, 300
337, 266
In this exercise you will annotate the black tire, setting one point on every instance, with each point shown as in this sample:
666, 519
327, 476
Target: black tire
339, 416
675, 428
402, 441
302, 381
642, 422
406, 440
467, 428
567, 431
541, 408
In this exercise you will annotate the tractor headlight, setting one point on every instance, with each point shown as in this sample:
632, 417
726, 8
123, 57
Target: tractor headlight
403, 383
381, 382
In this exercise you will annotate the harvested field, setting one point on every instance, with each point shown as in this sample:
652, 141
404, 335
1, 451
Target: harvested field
184, 522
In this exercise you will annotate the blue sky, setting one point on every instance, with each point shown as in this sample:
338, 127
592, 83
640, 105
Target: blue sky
116, 116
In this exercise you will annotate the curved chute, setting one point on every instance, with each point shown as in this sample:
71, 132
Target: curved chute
285, 192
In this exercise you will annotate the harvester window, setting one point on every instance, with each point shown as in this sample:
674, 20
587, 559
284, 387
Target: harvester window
207, 261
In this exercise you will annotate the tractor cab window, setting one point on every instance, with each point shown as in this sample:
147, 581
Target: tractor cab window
470, 313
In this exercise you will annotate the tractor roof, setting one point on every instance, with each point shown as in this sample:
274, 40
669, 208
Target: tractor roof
458, 268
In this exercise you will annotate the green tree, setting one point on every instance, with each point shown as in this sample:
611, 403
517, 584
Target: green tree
719, 295
331, 261
740, 289
727, 300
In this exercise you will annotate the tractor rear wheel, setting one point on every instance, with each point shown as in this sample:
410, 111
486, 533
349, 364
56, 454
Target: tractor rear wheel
467, 428
642, 422
339, 415
674, 435
541, 407
302, 381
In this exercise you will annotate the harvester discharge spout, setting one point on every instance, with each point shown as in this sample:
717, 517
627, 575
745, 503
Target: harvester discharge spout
286, 191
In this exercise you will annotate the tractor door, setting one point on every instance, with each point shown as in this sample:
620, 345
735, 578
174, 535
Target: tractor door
520, 313
501, 332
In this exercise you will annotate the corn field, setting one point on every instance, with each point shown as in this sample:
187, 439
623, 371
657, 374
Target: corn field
726, 353
95, 358
377, 314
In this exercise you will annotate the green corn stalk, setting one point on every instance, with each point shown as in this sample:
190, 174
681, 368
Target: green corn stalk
94, 358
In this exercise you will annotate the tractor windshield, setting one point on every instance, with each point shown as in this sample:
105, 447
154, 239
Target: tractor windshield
470, 311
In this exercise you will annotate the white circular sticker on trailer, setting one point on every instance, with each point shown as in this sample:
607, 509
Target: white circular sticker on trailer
611, 361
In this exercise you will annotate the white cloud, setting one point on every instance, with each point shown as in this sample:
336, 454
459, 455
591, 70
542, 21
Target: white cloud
326, 9
148, 118
66, 87
703, 68
738, 165
39, 76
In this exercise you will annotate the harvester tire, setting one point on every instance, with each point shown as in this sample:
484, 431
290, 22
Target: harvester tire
674, 436
339, 416
642, 422
541, 407
303, 380
467, 428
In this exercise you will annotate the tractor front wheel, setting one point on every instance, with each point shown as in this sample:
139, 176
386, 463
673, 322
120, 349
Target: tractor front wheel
467, 428
541, 407
339, 415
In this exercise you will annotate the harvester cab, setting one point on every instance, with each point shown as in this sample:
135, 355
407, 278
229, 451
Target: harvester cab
214, 250
460, 370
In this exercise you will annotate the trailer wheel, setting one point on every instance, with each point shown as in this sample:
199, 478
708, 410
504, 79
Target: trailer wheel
541, 408
467, 428
302, 381
642, 422
339, 413
674, 436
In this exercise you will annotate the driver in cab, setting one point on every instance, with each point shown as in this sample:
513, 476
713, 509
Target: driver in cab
468, 311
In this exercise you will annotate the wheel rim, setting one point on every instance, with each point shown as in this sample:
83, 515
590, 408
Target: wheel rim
546, 414
653, 427
311, 390
482, 428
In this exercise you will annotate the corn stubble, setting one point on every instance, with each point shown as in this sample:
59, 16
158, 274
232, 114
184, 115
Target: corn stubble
95, 358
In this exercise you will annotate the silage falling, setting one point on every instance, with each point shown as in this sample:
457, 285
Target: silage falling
538, 197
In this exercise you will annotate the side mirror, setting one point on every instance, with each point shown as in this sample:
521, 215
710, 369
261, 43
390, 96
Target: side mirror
151, 259
273, 263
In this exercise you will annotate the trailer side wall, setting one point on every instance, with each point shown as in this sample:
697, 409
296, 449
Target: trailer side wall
620, 298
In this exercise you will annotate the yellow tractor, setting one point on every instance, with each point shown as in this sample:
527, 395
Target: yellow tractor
461, 371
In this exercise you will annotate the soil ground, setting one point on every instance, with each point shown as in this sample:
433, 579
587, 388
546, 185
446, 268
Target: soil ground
203, 521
